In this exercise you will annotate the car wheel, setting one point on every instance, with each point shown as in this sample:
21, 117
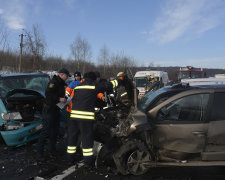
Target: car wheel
133, 158
137, 162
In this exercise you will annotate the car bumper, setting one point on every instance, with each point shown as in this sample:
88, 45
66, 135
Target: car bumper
23, 135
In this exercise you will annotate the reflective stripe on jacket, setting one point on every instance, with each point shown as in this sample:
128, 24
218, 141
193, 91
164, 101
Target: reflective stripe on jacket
82, 115
115, 83
85, 96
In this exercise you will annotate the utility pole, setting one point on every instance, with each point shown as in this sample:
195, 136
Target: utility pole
21, 51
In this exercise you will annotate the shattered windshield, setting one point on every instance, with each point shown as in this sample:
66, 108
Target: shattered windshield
141, 82
144, 102
37, 83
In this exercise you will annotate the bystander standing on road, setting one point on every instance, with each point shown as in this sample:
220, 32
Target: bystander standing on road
55, 93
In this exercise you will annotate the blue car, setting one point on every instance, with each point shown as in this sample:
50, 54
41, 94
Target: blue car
21, 101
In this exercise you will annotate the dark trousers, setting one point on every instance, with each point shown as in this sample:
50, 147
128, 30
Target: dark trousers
82, 128
51, 120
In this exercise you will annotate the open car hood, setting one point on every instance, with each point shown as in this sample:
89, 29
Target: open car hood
24, 91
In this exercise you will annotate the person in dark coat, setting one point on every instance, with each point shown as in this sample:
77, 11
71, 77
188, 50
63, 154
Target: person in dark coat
125, 87
55, 93
105, 86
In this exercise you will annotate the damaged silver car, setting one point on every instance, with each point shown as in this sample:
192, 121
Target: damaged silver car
174, 126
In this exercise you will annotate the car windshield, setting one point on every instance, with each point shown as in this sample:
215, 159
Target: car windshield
145, 101
196, 74
190, 74
185, 75
141, 82
37, 83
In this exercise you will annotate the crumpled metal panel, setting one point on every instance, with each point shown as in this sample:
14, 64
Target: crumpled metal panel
180, 137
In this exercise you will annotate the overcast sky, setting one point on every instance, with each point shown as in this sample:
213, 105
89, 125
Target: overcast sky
166, 32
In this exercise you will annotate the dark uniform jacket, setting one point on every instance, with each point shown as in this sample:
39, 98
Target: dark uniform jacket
85, 96
123, 86
107, 87
54, 91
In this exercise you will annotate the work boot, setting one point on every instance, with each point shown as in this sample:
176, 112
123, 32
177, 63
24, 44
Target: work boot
72, 159
89, 161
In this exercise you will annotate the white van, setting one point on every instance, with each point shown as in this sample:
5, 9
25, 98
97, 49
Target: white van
220, 76
141, 79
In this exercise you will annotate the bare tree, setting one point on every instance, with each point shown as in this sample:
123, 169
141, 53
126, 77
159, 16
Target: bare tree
81, 51
120, 62
104, 58
151, 64
4, 46
3, 39
35, 45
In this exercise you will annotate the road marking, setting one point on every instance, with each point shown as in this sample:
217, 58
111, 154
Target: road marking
38, 178
64, 174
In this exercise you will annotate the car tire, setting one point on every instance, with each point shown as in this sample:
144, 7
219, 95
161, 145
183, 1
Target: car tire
130, 158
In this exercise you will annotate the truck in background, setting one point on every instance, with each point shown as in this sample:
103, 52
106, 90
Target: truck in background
217, 79
142, 79
190, 72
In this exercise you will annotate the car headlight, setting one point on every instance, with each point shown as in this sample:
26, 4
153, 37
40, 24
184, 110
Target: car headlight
11, 116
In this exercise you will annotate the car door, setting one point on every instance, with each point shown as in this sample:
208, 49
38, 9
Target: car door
180, 124
215, 148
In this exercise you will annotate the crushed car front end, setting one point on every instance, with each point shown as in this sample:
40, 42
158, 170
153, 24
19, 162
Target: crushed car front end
21, 107
130, 142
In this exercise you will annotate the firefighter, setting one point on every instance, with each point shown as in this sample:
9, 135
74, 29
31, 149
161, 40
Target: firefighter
123, 87
55, 93
82, 118
155, 84
154, 79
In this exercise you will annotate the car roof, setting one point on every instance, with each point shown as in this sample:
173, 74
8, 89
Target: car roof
214, 86
22, 74
186, 86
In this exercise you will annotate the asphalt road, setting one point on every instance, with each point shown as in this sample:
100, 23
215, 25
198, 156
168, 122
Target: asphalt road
20, 163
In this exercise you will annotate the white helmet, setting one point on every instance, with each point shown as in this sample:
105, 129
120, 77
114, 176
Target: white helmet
120, 74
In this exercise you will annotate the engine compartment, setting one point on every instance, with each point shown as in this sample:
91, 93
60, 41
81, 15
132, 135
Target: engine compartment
111, 122
30, 107
28, 104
